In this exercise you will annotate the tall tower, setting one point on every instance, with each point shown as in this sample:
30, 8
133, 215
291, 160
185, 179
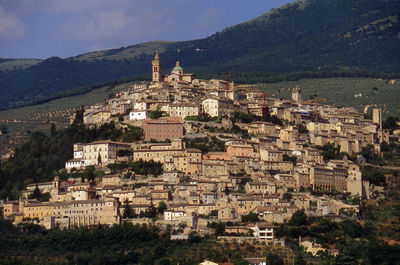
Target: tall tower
156, 63
296, 94
377, 117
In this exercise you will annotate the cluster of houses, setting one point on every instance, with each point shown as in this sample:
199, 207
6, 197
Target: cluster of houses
250, 176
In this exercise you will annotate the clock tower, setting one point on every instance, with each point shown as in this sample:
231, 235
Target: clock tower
156, 63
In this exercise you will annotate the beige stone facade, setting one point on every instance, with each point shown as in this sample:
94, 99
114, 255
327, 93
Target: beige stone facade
102, 152
162, 129
217, 107
183, 110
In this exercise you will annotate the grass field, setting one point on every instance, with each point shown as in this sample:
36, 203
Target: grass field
14, 64
22, 121
341, 92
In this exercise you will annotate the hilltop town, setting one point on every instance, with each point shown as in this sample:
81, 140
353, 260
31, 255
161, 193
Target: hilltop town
203, 152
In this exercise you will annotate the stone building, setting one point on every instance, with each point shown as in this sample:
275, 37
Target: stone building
217, 107
183, 110
163, 128
102, 152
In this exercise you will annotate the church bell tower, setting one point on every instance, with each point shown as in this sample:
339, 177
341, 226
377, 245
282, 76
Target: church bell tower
156, 63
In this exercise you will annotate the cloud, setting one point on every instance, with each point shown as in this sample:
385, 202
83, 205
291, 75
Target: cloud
53, 6
207, 19
11, 27
140, 23
98, 25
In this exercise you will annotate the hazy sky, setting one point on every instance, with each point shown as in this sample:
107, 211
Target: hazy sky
64, 28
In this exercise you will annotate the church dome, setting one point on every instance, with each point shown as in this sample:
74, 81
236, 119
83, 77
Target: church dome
177, 68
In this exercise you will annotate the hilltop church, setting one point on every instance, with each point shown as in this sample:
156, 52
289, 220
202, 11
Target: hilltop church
177, 75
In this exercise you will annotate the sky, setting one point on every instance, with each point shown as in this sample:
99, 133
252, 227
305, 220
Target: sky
65, 28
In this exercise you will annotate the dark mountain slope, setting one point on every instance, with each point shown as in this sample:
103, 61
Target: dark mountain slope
307, 35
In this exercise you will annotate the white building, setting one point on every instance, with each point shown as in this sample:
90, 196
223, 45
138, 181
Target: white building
217, 107
76, 163
136, 115
264, 231
173, 215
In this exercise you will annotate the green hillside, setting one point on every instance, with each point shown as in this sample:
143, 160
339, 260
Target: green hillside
304, 36
361, 93
7, 65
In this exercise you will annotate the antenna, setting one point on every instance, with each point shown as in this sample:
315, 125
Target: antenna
265, 106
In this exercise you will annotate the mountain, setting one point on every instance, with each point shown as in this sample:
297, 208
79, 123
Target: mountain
7, 65
306, 35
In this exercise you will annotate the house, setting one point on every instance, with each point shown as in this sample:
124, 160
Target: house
43, 187
163, 128
247, 204
75, 163
217, 107
38, 209
137, 115
97, 117
237, 229
183, 110
270, 154
88, 212
260, 187
264, 231
312, 247
211, 168
226, 213
102, 152
171, 215
263, 128
256, 261
242, 150
11, 208
207, 262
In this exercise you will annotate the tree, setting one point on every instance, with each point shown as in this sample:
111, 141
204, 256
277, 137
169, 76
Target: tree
128, 211
373, 175
250, 218
391, 123
53, 130
124, 152
330, 151
290, 158
36, 194
219, 228
194, 237
132, 134
79, 115
155, 114
302, 128
214, 213
287, 196
150, 212
368, 151
162, 206
45, 197
298, 218
89, 173
99, 159
299, 260
3, 128
274, 259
